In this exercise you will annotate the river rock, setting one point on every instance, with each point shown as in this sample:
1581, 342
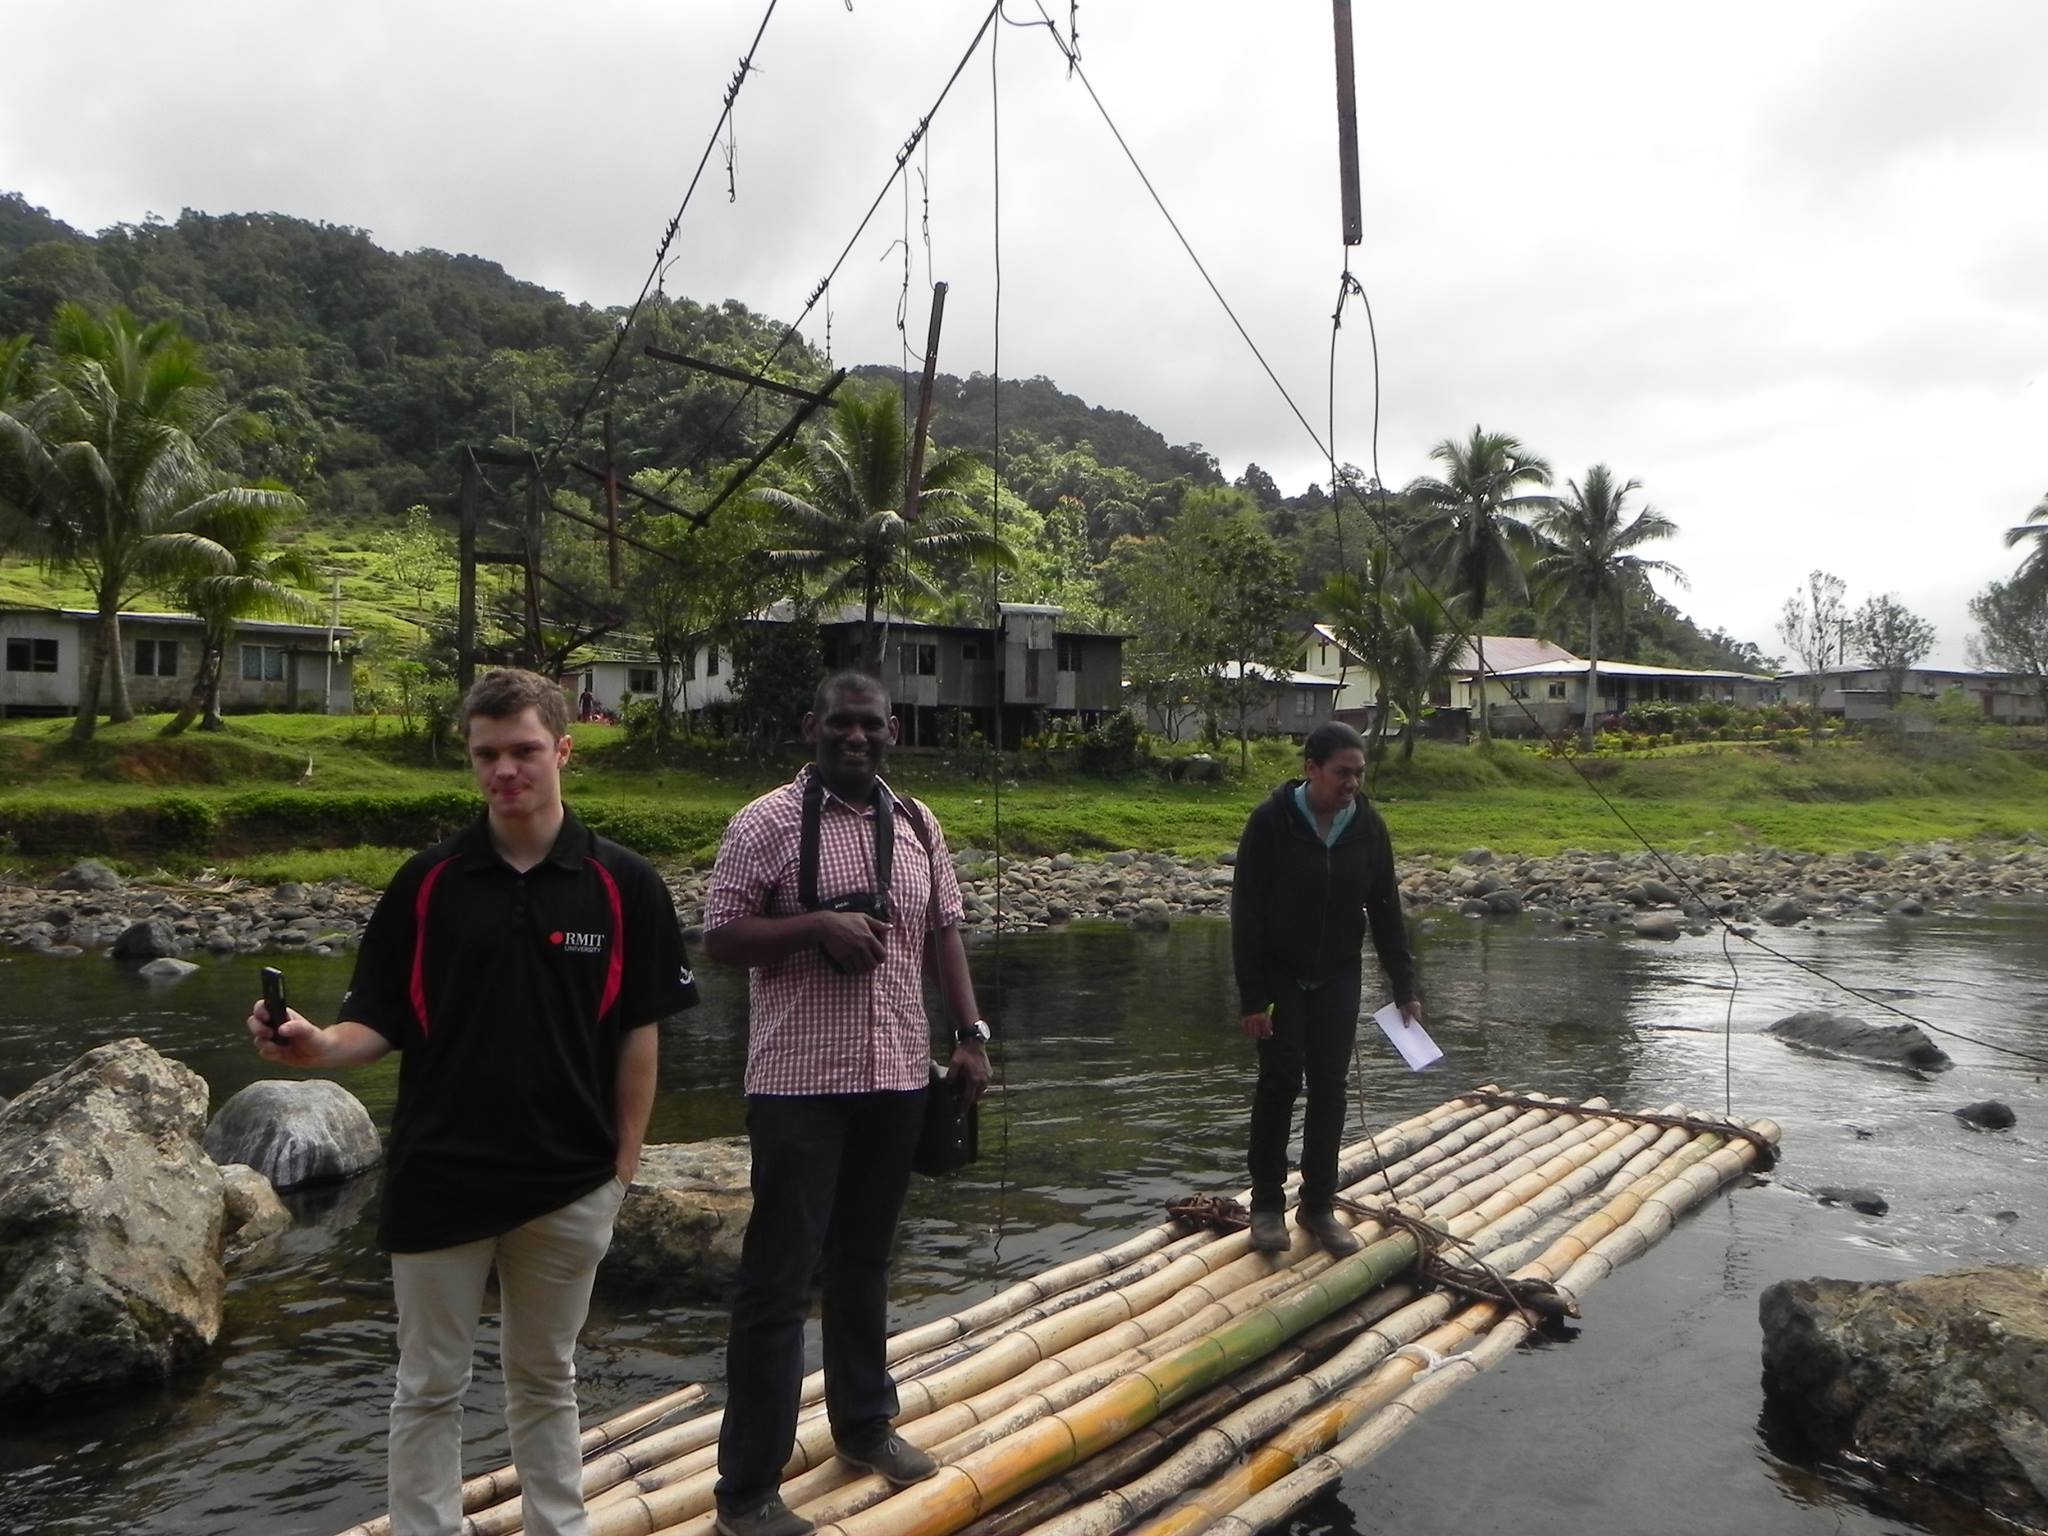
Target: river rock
1784, 911
1659, 925
146, 940
683, 1218
87, 875
253, 1219
1942, 1377
110, 1223
295, 1131
167, 969
1857, 1198
1989, 1115
1841, 1034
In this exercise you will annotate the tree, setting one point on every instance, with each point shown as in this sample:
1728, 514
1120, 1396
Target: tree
715, 580
1432, 633
1233, 614
264, 584
416, 556
775, 670
1892, 638
123, 450
848, 529
1586, 555
1814, 627
1476, 531
1362, 617
2034, 534
2014, 634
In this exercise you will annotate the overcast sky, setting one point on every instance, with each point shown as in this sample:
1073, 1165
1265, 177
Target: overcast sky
1786, 264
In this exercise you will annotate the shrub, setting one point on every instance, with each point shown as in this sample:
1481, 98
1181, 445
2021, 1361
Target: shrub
1113, 746
184, 823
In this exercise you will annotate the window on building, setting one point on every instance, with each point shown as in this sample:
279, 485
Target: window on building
30, 655
970, 650
156, 658
1305, 701
917, 660
711, 661
262, 663
1557, 690
1518, 690
642, 680
1323, 654
690, 665
1069, 653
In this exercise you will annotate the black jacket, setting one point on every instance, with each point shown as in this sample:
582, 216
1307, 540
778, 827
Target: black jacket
1298, 909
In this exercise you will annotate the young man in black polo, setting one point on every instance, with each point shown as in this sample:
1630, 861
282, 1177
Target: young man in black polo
520, 966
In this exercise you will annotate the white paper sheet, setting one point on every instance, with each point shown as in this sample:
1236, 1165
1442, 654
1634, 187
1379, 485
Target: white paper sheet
1411, 1040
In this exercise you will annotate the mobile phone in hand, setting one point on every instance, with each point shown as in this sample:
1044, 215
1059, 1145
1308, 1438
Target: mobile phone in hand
273, 998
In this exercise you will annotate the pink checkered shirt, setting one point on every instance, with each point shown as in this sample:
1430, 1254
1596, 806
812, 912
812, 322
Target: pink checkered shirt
813, 1029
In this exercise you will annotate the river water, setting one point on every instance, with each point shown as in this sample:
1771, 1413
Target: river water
1127, 1084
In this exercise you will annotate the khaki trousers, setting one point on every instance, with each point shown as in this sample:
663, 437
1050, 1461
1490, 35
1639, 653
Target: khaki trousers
545, 1270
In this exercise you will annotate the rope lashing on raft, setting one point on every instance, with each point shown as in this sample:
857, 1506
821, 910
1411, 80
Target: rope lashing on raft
1767, 1154
1536, 1301
1219, 1213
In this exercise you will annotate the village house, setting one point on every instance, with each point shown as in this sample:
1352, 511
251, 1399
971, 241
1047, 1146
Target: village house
1855, 694
269, 665
1554, 692
1041, 669
1291, 703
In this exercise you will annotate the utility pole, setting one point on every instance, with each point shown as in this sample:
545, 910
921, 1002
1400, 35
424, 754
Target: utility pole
333, 624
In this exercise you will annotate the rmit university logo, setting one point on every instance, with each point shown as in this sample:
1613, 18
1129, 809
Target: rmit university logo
578, 943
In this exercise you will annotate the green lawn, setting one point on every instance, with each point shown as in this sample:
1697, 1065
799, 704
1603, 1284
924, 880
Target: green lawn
318, 797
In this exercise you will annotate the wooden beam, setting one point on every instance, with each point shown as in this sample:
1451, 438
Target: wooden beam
737, 375
624, 538
628, 488
1347, 125
913, 475
788, 431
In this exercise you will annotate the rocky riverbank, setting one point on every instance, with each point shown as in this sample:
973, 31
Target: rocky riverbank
89, 907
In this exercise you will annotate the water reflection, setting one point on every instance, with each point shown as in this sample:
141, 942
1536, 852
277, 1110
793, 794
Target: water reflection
1128, 1083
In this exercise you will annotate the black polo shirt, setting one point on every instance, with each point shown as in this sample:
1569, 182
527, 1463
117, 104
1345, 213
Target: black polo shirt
510, 995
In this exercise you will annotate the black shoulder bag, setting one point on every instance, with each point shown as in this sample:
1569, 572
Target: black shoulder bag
950, 1137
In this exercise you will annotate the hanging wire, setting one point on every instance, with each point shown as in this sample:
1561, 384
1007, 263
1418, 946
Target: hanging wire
995, 518
668, 235
1384, 521
790, 331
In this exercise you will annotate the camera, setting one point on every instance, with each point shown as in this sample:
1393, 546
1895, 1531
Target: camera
866, 903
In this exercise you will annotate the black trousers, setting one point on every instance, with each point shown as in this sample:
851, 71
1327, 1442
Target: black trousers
1311, 1041
829, 1175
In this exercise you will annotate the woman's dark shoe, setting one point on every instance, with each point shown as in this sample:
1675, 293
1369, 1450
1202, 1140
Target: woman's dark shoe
1336, 1238
760, 1517
1269, 1232
898, 1461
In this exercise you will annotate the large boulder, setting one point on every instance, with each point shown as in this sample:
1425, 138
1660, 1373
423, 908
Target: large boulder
295, 1131
254, 1220
683, 1219
110, 1223
146, 940
87, 875
1944, 1377
1842, 1034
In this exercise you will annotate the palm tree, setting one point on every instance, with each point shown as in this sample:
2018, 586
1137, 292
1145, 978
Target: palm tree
115, 462
1478, 537
262, 585
1362, 617
850, 530
1586, 556
2034, 533
1432, 634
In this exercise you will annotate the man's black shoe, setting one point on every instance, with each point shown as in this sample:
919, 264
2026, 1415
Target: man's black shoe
1269, 1232
761, 1517
898, 1461
1336, 1238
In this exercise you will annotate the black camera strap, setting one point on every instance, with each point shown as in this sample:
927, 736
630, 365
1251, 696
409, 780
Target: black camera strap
885, 839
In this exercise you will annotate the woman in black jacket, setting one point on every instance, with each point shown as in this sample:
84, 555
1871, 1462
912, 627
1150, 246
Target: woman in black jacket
1315, 868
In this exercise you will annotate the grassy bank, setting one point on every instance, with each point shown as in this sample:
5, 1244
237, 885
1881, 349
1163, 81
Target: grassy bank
312, 797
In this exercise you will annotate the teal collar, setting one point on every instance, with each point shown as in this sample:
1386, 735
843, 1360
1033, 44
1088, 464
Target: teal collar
1337, 825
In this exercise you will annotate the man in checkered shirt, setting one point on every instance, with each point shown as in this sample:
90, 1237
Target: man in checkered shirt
837, 1062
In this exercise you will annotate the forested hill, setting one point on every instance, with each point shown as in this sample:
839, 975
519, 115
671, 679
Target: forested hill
368, 368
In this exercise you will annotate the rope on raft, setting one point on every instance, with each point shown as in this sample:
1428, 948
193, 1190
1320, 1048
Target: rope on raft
1219, 1213
1767, 1154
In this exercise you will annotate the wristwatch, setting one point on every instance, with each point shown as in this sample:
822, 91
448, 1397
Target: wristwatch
976, 1033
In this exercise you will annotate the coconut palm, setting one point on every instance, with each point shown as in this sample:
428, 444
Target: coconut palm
1476, 533
1586, 554
115, 463
264, 584
2034, 534
849, 530
1432, 633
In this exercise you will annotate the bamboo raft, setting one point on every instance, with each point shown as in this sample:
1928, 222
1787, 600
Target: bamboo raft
1178, 1383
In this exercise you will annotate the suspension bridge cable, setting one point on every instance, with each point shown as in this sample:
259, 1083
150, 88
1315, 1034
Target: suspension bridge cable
732, 91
